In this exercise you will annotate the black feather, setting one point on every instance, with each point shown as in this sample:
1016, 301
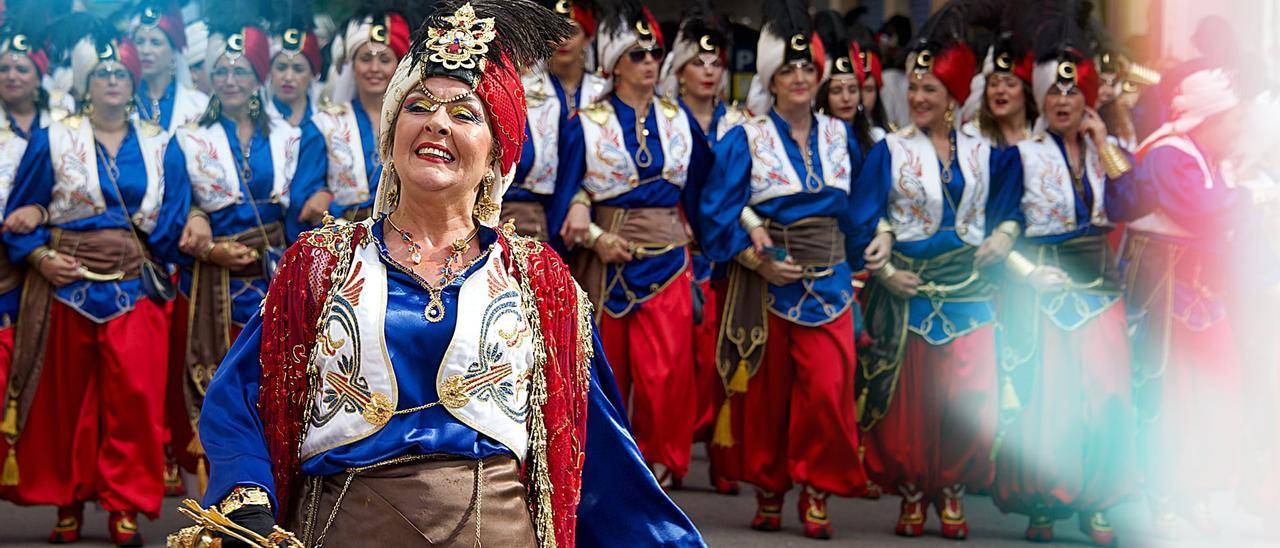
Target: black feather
701, 20
1056, 26
527, 32
833, 32
787, 17
67, 31
290, 14
232, 15
945, 27
413, 11
29, 17
615, 16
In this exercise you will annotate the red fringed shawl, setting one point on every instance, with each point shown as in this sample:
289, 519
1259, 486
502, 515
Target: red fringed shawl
302, 290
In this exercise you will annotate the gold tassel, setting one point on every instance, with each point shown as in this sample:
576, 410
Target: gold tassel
738, 384
862, 403
202, 476
996, 445
10, 425
723, 434
1009, 397
11, 476
195, 447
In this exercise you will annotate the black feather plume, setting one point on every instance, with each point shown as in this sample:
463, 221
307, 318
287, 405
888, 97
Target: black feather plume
614, 16
232, 15
527, 32
945, 27
786, 17
833, 32
413, 11
29, 17
1058, 25
290, 14
701, 20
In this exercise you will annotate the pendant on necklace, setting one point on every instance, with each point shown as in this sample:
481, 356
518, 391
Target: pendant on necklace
415, 249
435, 307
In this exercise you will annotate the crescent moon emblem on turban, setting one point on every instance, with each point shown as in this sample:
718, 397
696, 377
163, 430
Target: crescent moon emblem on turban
236, 42
1003, 61
1067, 71
378, 33
20, 42
842, 65
106, 52
798, 42
705, 43
563, 8
292, 36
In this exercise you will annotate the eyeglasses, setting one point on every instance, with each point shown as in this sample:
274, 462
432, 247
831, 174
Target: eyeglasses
105, 73
240, 73
637, 55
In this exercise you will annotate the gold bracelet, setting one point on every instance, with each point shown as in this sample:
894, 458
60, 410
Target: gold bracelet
749, 219
39, 255
195, 212
749, 259
594, 232
204, 255
1019, 264
1010, 229
44, 214
884, 227
243, 496
1114, 161
581, 198
885, 273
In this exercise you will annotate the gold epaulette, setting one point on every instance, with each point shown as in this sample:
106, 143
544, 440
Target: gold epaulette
597, 112
72, 121
733, 114
669, 108
328, 107
149, 129
907, 132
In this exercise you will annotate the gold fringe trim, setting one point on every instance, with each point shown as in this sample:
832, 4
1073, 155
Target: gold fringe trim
10, 425
11, 476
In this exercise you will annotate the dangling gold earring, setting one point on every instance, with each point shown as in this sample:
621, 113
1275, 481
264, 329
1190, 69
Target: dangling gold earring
486, 208
214, 110
682, 87
86, 106
255, 107
949, 116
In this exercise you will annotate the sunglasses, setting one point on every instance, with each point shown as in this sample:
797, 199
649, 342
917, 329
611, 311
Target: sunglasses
104, 73
240, 73
637, 55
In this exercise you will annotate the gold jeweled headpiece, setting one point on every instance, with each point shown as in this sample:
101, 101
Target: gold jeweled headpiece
463, 44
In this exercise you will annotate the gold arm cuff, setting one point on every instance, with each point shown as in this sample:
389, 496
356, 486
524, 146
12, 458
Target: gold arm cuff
244, 496
749, 219
39, 255
1019, 264
1114, 161
594, 232
885, 273
44, 214
1011, 229
581, 198
196, 212
883, 227
749, 259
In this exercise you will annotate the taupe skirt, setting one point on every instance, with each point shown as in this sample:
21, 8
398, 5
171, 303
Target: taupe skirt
424, 502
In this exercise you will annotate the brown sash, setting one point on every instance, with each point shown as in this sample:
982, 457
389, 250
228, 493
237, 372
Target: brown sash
427, 502
651, 231
209, 315
102, 252
530, 219
949, 276
817, 244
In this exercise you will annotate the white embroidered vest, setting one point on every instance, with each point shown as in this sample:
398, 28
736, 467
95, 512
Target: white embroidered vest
347, 178
773, 175
77, 191
211, 165
544, 126
733, 117
916, 197
1049, 195
611, 169
1158, 221
11, 149
483, 381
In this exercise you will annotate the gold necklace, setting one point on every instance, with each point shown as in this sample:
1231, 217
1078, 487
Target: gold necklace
644, 158
434, 311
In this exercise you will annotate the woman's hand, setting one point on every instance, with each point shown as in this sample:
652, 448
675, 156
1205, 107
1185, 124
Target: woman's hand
60, 269
1093, 127
196, 238
577, 225
780, 272
878, 251
760, 239
23, 220
233, 255
1048, 279
315, 207
613, 249
903, 283
993, 250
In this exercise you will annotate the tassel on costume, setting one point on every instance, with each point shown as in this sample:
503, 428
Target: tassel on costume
11, 476
738, 384
202, 476
723, 434
996, 445
862, 403
10, 425
1009, 397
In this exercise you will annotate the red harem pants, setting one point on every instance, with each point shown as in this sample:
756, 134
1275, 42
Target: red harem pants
1071, 449
651, 352
942, 420
96, 426
797, 422
177, 421
710, 388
